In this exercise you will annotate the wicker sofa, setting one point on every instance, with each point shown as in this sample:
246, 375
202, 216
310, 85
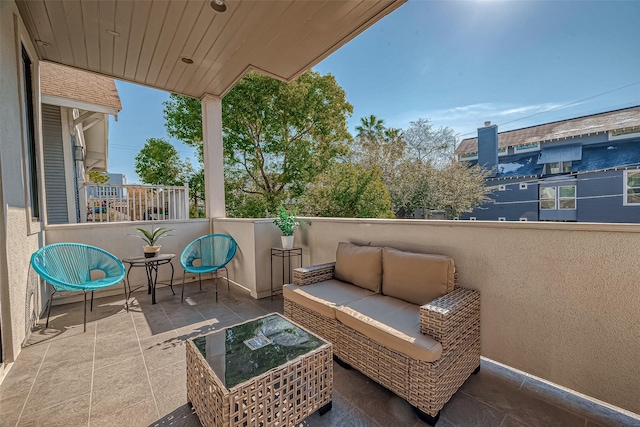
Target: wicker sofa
398, 317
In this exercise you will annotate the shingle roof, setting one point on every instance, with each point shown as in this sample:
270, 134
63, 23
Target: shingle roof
596, 123
78, 85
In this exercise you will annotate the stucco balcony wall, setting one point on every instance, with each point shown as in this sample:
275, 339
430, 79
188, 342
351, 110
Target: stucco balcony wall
255, 238
116, 238
559, 301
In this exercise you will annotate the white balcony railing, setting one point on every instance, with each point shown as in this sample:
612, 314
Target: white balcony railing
118, 203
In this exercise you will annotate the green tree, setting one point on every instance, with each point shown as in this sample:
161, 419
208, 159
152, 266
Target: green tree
98, 177
158, 163
458, 188
348, 190
277, 136
375, 144
417, 167
196, 194
409, 187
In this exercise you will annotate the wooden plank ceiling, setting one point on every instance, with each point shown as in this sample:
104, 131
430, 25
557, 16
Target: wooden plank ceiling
144, 41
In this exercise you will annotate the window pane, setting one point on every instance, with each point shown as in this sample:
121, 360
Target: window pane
567, 191
547, 204
567, 203
566, 166
548, 192
633, 179
553, 167
633, 195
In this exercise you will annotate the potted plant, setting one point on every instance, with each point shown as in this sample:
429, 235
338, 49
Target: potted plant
151, 249
287, 223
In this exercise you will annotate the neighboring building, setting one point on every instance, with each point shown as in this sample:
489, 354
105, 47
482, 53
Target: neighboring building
108, 191
585, 169
75, 127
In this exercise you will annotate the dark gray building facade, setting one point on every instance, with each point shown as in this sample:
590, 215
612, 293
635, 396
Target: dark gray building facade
585, 169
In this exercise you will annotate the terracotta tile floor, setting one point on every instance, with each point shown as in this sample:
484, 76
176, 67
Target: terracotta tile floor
128, 369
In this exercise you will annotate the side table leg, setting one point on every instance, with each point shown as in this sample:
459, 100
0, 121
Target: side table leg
171, 283
153, 283
149, 280
126, 299
128, 283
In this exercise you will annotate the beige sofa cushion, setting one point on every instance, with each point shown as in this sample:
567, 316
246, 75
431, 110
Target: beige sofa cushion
392, 323
360, 265
324, 297
416, 278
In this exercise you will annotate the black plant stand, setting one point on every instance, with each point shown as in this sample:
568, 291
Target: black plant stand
284, 253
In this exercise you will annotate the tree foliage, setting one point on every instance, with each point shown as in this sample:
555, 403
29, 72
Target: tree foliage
158, 163
277, 136
417, 167
98, 177
348, 190
429, 145
458, 188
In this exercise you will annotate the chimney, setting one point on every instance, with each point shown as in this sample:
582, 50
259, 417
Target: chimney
488, 147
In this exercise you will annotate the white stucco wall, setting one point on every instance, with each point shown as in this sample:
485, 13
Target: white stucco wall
116, 238
19, 237
250, 267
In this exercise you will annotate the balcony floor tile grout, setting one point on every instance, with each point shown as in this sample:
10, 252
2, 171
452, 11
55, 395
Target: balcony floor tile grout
146, 369
24, 405
93, 372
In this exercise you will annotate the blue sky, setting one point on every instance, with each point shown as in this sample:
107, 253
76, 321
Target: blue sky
458, 63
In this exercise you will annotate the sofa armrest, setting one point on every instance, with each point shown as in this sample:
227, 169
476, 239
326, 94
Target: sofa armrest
314, 274
450, 318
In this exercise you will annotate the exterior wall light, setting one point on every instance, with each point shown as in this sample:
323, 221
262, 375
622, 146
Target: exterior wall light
78, 155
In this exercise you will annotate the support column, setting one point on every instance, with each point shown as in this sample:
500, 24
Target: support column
213, 156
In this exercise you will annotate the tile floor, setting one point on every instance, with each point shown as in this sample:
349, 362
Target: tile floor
128, 369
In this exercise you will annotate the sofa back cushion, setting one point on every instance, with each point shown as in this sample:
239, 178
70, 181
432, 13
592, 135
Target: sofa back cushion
416, 278
359, 265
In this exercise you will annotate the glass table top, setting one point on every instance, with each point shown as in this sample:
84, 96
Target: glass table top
239, 353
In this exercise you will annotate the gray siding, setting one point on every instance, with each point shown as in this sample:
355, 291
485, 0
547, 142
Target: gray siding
54, 173
512, 203
600, 198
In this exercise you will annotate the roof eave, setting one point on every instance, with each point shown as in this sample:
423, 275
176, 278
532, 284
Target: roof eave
80, 105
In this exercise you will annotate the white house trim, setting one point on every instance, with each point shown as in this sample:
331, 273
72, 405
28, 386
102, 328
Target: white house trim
80, 105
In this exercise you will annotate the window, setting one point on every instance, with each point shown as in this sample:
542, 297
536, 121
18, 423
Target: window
557, 167
548, 198
567, 196
523, 185
472, 218
501, 218
32, 169
523, 219
108, 192
561, 197
632, 187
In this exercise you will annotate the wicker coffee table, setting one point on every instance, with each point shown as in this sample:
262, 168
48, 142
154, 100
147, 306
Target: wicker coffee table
263, 372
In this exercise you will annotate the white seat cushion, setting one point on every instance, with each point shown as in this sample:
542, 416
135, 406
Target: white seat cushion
392, 323
324, 297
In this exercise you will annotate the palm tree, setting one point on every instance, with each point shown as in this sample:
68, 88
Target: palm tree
371, 128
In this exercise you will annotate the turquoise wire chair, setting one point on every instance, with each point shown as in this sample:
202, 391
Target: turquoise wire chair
67, 267
214, 252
